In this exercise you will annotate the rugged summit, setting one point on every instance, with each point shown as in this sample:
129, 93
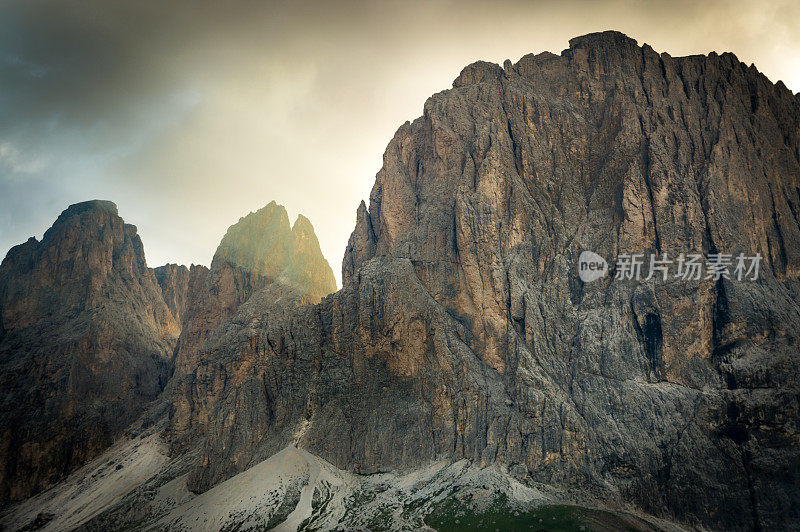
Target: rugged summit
262, 263
89, 335
85, 344
463, 331
175, 280
264, 243
262, 248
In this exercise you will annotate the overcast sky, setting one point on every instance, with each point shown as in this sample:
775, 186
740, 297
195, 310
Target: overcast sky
191, 114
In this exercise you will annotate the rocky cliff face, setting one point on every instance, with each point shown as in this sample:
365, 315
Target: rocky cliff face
463, 331
85, 344
89, 335
261, 249
175, 281
264, 243
262, 257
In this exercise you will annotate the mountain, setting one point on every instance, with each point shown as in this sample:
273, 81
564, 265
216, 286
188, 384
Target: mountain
177, 283
85, 345
463, 331
264, 243
465, 374
90, 336
262, 252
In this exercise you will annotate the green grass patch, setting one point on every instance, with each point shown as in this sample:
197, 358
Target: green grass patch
453, 514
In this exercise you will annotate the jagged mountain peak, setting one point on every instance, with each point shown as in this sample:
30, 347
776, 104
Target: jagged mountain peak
603, 39
83, 323
90, 206
302, 225
265, 243
259, 242
261, 251
88, 216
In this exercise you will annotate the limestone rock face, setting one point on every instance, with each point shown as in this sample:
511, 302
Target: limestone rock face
463, 331
174, 280
85, 344
262, 248
264, 243
183, 289
262, 252
309, 272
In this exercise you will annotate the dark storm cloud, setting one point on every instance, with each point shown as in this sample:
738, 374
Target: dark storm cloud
80, 86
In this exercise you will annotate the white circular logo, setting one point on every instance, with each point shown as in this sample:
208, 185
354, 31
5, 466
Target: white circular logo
591, 266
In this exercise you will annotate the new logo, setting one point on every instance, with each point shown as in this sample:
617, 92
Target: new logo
591, 266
